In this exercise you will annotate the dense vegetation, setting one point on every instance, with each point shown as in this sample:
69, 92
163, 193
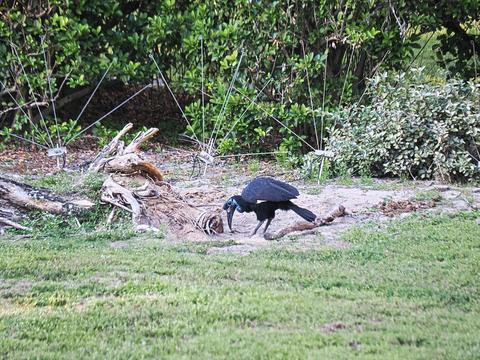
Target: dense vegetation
310, 58
411, 128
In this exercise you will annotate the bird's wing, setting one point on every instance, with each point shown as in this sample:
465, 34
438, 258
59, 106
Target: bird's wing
268, 189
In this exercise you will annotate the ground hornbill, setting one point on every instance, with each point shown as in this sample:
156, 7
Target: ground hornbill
272, 194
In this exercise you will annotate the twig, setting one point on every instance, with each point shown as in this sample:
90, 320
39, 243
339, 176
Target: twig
111, 216
302, 226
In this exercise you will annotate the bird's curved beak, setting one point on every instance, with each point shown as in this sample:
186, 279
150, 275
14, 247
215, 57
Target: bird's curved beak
230, 210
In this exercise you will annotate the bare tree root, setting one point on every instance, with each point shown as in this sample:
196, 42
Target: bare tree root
134, 185
306, 226
137, 186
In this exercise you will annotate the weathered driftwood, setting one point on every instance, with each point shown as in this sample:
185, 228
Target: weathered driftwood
109, 150
27, 197
306, 226
114, 158
153, 205
16, 198
134, 185
137, 186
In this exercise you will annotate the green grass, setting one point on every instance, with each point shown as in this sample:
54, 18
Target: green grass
427, 195
70, 183
410, 291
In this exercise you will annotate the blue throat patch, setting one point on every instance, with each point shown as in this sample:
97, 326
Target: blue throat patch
239, 208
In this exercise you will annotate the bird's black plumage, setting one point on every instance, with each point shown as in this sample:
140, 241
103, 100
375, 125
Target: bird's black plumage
268, 189
273, 194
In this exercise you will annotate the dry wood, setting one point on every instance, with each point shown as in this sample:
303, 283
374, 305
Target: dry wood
109, 149
134, 146
24, 196
154, 203
14, 224
130, 164
17, 198
120, 196
306, 226
114, 158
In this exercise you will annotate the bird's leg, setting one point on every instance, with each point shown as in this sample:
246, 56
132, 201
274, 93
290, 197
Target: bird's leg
257, 227
267, 225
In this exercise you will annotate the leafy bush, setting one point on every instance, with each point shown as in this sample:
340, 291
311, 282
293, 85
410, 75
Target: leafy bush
411, 128
246, 126
304, 48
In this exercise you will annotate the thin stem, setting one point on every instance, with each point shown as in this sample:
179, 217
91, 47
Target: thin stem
20, 107
29, 141
474, 58
111, 111
346, 76
224, 106
88, 101
252, 154
51, 93
175, 99
323, 98
373, 74
32, 94
278, 121
311, 98
203, 92
248, 107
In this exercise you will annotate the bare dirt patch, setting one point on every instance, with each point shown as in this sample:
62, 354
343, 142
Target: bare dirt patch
380, 201
376, 201
333, 327
393, 208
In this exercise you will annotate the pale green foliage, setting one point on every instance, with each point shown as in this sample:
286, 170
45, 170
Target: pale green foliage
412, 128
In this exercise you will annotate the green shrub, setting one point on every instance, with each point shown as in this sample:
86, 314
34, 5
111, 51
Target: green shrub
411, 128
249, 127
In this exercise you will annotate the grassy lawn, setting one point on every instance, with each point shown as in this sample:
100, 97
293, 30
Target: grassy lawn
410, 291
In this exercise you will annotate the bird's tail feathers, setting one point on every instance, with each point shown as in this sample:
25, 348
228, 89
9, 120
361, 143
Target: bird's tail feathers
304, 213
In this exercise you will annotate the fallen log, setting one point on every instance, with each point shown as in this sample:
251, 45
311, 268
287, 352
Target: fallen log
26, 197
17, 198
307, 226
13, 224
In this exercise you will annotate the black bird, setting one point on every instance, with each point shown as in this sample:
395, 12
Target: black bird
275, 195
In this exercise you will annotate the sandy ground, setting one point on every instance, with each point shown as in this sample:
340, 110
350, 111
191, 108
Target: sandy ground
362, 199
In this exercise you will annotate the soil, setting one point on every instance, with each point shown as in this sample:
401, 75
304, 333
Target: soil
374, 201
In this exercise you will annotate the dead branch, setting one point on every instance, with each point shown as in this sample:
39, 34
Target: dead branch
14, 224
134, 146
121, 197
26, 197
114, 158
306, 226
108, 150
17, 198
130, 164
155, 204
